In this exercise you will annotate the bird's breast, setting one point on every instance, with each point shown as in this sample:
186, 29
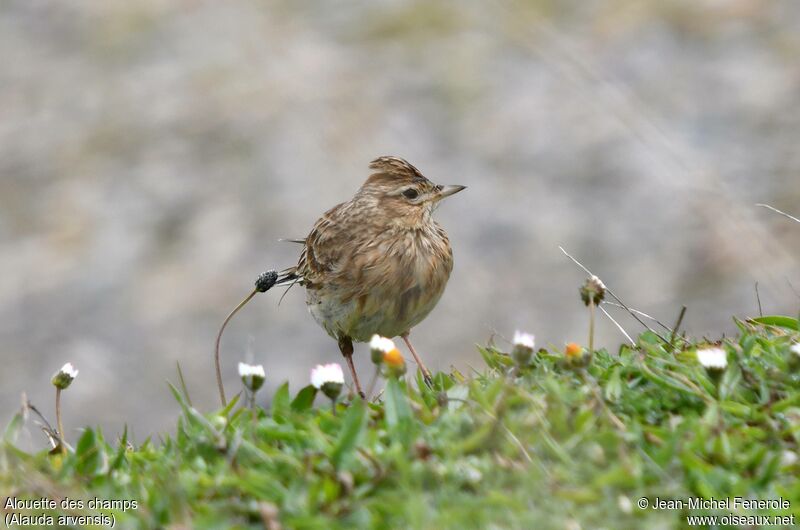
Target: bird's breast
394, 281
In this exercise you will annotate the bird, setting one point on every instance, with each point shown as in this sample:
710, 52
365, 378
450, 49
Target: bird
378, 263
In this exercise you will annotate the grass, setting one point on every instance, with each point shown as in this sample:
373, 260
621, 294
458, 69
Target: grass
558, 444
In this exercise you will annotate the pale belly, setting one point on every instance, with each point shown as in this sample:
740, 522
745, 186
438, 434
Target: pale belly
376, 313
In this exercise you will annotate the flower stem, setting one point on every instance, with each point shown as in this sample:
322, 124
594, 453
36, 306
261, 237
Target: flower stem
216, 345
591, 324
373, 381
61, 438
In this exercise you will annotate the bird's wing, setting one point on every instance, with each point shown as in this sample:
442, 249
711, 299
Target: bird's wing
345, 251
322, 249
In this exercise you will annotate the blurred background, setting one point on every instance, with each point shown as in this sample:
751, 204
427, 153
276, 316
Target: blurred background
153, 152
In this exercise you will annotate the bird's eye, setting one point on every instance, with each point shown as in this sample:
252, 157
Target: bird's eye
410, 193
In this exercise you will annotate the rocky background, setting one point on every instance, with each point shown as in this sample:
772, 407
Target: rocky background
153, 152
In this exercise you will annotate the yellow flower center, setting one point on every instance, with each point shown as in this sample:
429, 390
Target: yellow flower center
573, 350
394, 358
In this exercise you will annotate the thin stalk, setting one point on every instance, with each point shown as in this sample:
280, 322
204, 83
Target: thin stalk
373, 381
60, 425
216, 346
793, 218
184, 388
606, 313
591, 324
615, 297
677, 326
758, 299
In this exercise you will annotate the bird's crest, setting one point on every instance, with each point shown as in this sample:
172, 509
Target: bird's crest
394, 166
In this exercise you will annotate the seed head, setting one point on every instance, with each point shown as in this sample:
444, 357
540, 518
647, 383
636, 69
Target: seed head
593, 289
266, 280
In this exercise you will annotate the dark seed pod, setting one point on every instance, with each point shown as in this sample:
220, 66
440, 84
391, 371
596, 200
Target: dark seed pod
266, 280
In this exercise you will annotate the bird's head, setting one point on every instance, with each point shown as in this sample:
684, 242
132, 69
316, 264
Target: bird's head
403, 192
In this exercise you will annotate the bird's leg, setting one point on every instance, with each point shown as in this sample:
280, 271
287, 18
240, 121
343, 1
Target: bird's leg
346, 347
425, 372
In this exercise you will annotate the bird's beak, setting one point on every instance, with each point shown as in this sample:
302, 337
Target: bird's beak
447, 191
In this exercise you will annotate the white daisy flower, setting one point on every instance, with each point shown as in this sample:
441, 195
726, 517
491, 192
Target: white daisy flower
523, 339
380, 346
713, 358
523, 348
246, 370
252, 376
64, 377
69, 370
381, 343
329, 378
326, 373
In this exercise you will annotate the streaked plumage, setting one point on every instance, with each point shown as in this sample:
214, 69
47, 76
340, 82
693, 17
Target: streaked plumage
377, 263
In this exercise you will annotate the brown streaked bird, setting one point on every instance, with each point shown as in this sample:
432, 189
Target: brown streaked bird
377, 263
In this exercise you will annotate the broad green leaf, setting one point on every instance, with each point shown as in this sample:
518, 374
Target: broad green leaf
779, 321
89, 454
122, 448
730, 380
398, 413
280, 402
769, 468
495, 359
613, 387
737, 409
304, 399
787, 403
231, 404
662, 378
352, 428
13, 428
442, 381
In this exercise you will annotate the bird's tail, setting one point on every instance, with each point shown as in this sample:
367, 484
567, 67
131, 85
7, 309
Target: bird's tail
287, 277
